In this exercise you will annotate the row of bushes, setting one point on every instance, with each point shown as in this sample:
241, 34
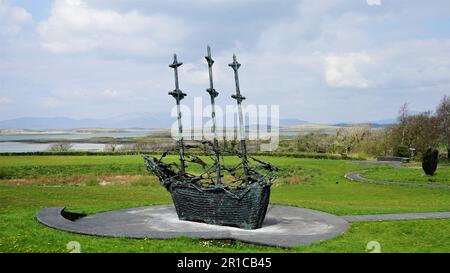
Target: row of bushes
73, 153
310, 155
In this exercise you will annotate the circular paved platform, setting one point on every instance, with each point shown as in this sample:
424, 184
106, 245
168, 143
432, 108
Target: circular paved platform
284, 226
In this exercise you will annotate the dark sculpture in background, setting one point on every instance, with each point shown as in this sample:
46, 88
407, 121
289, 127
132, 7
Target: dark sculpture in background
230, 195
430, 161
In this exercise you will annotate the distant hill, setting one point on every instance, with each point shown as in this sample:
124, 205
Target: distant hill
286, 122
371, 124
131, 120
385, 121
135, 120
311, 128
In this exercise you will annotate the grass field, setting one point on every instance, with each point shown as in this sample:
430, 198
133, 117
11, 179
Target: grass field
90, 184
442, 176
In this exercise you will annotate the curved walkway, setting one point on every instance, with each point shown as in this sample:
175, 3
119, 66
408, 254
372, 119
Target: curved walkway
355, 175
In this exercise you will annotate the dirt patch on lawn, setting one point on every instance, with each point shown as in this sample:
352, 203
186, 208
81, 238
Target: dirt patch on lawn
85, 180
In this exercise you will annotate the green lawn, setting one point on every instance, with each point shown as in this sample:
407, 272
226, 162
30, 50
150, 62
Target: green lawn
312, 183
442, 176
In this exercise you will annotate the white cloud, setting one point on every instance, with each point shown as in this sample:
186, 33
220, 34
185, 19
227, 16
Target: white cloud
5, 100
195, 73
73, 26
335, 40
307, 56
91, 94
12, 19
114, 93
373, 2
50, 102
343, 70
413, 64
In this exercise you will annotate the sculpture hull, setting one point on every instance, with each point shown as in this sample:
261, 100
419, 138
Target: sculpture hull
244, 208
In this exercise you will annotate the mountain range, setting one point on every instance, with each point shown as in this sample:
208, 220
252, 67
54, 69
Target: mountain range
130, 120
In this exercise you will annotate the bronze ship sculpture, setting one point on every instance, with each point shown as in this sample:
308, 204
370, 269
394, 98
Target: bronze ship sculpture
205, 197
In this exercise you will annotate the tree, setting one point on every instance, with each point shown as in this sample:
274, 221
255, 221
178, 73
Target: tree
403, 115
421, 132
110, 147
351, 136
443, 121
316, 142
373, 143
416, 131
60, 147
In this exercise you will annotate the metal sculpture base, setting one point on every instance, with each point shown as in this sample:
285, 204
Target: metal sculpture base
244, 208
284, 226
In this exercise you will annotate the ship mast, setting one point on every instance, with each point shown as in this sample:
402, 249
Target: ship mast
213, 94
239, 98
178, 95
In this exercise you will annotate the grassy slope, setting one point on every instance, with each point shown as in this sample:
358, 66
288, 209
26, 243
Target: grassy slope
20, 232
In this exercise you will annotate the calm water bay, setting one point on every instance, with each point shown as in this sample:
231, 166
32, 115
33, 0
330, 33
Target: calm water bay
18, 147
7, 144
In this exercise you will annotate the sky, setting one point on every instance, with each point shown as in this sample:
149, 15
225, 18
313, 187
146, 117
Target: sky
323, 61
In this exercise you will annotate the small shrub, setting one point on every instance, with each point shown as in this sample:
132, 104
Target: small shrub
60, 147
402, 151
430, 161
110, 147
